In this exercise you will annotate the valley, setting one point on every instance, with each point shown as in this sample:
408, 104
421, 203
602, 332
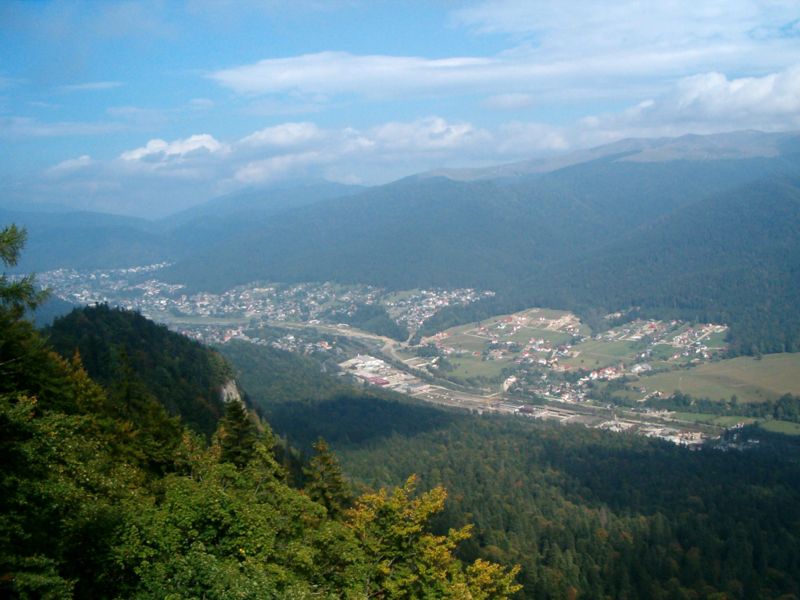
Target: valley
537, 363
471, 300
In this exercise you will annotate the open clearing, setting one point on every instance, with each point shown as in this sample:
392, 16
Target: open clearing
750, 379
595, 354
784, 427
510, 336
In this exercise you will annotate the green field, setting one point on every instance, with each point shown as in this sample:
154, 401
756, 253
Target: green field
716, 340
751, 380
719, 420
468, 340
600, 353
468, 366
663, 351
784, 427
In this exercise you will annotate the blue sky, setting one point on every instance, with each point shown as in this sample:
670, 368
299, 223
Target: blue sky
149, 107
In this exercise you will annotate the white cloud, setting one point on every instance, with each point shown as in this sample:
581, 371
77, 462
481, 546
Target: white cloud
198, 167
268, 169
510, 77
714, 96
559, 51
342, 72
422, 135
70, 165
709, 103
158, 149
286, 134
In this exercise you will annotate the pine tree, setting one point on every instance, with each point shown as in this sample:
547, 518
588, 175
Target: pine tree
16, 296
326, 484
237, 434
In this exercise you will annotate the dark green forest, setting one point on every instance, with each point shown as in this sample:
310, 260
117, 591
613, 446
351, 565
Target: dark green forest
104, 494
595, 515
121, 348
586, 513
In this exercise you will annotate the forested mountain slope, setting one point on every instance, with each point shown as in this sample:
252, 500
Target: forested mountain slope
587, 513
704, 239
485, 234
120, 348
732, 258
104, 495
86, 240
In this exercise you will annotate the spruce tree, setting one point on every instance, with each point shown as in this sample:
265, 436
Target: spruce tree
326, 484
237, 434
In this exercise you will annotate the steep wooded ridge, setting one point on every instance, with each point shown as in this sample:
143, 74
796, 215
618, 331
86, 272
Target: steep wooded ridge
103, 494
586, 513
121, 348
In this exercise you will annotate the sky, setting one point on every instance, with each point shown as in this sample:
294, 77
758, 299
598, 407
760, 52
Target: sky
146, 108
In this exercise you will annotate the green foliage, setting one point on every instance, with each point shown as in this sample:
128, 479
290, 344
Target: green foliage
121, 348
325, 482
18, 295
237, 435
103, 495
404, 560
82, 514
598, 515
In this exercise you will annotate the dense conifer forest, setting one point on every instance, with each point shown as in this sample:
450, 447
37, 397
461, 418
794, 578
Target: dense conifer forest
109, 492
586, 513
104, 494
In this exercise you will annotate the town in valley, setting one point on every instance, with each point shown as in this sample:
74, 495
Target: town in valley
538, 363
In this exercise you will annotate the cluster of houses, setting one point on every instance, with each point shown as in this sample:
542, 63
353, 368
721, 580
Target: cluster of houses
416, 308
254, 304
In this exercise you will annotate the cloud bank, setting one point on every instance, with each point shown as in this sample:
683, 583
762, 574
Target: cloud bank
201, 166
563, 51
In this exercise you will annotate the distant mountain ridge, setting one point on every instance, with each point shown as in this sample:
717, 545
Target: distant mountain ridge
89, 240
735, 145
669, 223
543, 239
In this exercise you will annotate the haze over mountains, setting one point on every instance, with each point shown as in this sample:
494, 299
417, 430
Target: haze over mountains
699, 226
